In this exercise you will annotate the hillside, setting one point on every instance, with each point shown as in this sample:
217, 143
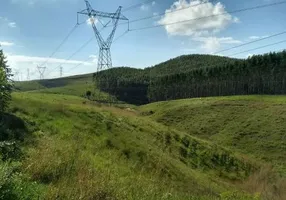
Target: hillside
136, 93
74, 83
183, 77
76, 149
252, 125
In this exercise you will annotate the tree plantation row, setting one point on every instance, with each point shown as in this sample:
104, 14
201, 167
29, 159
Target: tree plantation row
261, 74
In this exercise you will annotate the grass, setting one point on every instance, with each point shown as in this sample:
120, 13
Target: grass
74, 86
82, 150
252, 125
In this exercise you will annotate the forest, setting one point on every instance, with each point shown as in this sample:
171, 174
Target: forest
197, 76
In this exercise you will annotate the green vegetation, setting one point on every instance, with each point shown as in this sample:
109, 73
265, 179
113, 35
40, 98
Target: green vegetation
61, 142
201, 76
5, 85
183, 77
74, 148
262, 74
251, 125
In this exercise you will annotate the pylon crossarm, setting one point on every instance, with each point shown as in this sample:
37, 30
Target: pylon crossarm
97, 14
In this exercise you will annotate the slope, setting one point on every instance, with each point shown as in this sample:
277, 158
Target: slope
81, 150
252, 125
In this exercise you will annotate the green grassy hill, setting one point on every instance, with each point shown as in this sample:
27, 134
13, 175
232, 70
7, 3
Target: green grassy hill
74, 85
76, 149
252, 125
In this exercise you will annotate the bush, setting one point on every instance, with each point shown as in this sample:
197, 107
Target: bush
14, 185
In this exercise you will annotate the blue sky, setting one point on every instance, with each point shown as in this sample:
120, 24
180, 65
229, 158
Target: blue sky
30, 30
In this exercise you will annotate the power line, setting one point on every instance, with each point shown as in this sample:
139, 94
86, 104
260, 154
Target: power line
79, 64
76, 52
137, 5
61, 44
254, 41
117, 38
261, 47
72, 55
215, 15
172, 11
161, 14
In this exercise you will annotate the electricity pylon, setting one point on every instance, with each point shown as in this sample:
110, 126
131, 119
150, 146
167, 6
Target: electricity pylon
104, 60
28, 74
41, 71
61, 71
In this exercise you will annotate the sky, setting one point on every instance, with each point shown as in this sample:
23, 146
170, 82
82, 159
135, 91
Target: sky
31, 30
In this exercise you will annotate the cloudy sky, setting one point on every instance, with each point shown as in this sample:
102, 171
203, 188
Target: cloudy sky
31, 30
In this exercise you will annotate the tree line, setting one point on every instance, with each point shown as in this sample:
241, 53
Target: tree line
198, 76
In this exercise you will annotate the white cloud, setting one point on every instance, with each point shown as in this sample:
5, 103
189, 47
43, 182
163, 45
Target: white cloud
257, 37
8, 44
32, 59
254, 37
94, 58
249, 55
212, 44
144, 7
32, 2
12, 25
3, 19
22, 63
194, 27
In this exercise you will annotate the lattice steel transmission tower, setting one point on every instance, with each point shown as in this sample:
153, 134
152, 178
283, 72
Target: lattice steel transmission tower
61, 71
104, 59
41, 71
28, 74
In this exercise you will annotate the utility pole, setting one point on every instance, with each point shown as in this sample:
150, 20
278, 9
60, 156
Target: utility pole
104, 61
61, 71
28, 74
41, 71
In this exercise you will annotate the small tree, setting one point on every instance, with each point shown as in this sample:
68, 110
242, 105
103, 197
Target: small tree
5, 83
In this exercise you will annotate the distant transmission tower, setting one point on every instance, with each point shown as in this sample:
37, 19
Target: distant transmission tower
104, 61
61, 71
28, 74
17, 75
41, 71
